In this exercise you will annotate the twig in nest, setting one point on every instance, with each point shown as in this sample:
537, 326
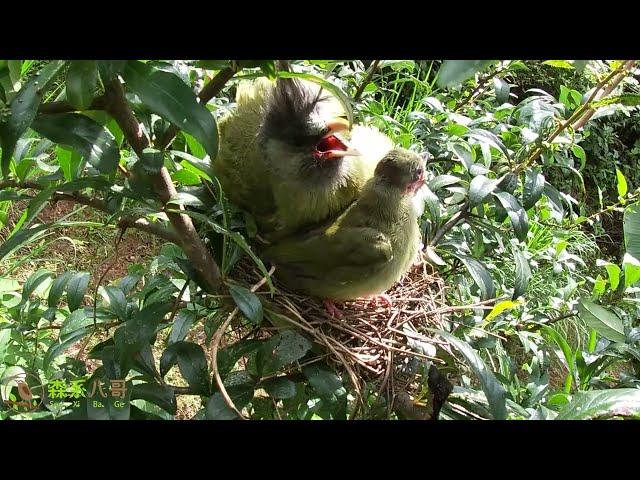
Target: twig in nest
215, 342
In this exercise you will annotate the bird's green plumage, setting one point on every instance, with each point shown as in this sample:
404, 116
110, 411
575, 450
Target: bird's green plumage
366, 250
270, 180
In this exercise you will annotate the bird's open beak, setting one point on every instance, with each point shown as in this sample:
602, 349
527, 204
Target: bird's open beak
337, 147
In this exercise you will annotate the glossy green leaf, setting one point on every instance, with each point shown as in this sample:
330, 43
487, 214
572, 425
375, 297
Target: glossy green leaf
160, 395
602, 320
631, 228
324, 381
620, 402
494, 391
517, 214
81, 83
19, 238
480, 275
621, 184
502, 90
117, 301
76, 288
533, 188
217, 409
34, 281
75, 320
523, 274
58, 347
181, 325
110, 68
90, 139
191, 362
248, 303
280, 388
480, 188
23, 109
167, 95
454, 72
57, 288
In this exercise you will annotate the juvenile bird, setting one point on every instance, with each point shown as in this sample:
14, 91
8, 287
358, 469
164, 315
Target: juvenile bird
368, 248
288, 157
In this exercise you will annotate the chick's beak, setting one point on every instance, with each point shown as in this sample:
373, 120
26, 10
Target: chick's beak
333, 147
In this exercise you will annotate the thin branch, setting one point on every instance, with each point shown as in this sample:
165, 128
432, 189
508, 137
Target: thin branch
98, 103
372, 69
449, 224
191, 243
476, 91
142, 224
210, 90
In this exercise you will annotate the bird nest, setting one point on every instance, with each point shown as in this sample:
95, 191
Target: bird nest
374, 343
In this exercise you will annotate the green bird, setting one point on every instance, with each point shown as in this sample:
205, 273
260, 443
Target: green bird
288, 157
368, 248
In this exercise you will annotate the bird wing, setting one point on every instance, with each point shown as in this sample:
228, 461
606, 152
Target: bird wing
341, 253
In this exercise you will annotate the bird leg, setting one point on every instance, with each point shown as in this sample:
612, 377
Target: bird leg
385, 299
332, 309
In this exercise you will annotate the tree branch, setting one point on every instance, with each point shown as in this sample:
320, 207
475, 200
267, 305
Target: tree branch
372, 69
209, 91
191, 243
97, 204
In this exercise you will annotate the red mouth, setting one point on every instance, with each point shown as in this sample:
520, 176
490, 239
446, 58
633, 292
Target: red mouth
330, 147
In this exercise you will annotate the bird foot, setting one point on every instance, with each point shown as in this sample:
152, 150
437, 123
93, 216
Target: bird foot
332, 309
384, 298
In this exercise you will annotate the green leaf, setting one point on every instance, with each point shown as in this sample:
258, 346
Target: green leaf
622, 184
501, 307
603, 321
181, 326
19, 238
579, 65
533, 188
167, 95
229, 356
480, 188
117, 301
57, 287
160, 395
631, 268
517, 214
82, 79
291, 346
192, 363
110, 68
631, 228
75, 320
480, 275
454, 72
90, 139
58, 347
76, 288
196, 149
554, 198
623, 402
613, 272
324, 381
523, 274
34, 281
579, 152
69, 161
217, 408
23, 109
280, 388
558, 64
441, 181
494, 391
248, 303
502, 90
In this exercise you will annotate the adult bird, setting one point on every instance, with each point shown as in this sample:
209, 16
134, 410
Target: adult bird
287, 155
368, 248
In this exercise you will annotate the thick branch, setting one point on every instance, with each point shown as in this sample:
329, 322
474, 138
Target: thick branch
209, 91
65, 107
191, 243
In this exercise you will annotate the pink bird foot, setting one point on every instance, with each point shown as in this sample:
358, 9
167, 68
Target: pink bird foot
332, 309
384, 298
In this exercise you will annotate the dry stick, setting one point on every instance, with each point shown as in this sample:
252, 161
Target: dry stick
210, 90
176, 304
191, 243
372, 69
215, 342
